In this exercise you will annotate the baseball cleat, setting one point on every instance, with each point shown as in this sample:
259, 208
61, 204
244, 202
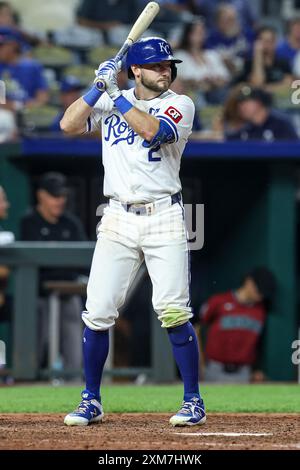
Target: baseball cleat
191, 413
88, 411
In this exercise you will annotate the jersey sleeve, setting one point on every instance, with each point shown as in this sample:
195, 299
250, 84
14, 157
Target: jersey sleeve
103, 105
178, 114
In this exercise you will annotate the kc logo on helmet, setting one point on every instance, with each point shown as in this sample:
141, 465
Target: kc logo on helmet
174, 114
164, 47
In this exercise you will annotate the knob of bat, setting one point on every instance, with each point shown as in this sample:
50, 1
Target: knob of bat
100, 84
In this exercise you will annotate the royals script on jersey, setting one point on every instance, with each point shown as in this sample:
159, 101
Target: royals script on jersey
133, 172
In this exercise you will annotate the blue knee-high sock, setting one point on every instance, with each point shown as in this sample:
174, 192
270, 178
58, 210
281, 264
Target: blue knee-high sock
186, 353
95, 351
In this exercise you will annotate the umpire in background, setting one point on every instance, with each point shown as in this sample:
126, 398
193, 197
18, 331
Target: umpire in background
49, 221
235, 321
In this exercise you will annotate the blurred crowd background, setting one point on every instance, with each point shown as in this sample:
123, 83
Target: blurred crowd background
49, 51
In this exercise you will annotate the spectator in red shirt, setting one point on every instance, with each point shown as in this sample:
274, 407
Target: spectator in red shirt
235, 320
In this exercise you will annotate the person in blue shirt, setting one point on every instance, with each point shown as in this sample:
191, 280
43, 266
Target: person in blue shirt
70, 91
23, 76
207, 8
229, 39
289, 46
262, 122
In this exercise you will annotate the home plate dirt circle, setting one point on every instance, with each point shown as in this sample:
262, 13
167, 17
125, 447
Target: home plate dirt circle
151, 431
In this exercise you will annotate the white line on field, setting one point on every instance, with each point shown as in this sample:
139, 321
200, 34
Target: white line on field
227, 434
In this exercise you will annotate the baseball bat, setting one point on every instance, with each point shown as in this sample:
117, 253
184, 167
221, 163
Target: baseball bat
142, 23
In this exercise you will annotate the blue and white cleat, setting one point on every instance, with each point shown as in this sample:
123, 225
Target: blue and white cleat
191, 413
89, 411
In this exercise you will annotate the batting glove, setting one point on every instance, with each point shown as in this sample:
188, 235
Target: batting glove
107, 75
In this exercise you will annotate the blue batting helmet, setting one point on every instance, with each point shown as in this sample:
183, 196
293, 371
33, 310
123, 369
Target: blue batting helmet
148, 51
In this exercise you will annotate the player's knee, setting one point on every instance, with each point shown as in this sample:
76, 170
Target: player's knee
172, 317
95, 319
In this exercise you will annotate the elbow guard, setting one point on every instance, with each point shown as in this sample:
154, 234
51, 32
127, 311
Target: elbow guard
165, 135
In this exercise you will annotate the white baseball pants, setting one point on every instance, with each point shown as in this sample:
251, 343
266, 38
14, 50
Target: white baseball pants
126, 239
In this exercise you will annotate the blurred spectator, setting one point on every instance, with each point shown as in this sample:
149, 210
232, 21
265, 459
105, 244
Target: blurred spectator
7, 15
229, 120
200, 131
265, 68
49, 221
262, 122
229, 39
9, 18
173, 14
23, 77
288, 47
70, 91
235, 321
203, 69
108, 16
207, 8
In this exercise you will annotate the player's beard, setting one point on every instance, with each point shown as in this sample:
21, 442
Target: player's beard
158, 86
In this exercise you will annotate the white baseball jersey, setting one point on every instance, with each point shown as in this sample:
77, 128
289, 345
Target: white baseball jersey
134, 173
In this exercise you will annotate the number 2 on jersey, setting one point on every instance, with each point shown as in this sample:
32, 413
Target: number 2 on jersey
151, 152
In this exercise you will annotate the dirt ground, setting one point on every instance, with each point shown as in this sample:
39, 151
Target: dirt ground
151, 432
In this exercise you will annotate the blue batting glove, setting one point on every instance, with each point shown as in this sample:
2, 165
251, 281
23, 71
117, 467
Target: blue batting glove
107, 67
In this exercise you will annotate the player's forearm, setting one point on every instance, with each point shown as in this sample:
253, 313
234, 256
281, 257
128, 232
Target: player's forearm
74, 120
145, 125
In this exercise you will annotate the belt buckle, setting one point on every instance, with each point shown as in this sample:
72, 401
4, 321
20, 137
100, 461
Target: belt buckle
141, 209
149, 208
137, 209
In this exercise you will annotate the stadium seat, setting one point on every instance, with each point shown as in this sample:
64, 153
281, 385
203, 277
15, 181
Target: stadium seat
54, 94
39, 118
208, 114
282, 98
85, 73
43, 16
53, 56
100, 54
78, 37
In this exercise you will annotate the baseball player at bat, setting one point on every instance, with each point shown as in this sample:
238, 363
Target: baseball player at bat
144, 132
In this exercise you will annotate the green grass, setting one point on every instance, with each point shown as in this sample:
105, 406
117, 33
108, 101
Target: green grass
128, 398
